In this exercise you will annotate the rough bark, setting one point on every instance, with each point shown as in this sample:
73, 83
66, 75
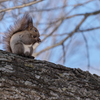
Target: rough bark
28, 79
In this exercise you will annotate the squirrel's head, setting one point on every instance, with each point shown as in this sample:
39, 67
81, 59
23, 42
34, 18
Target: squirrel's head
34, 31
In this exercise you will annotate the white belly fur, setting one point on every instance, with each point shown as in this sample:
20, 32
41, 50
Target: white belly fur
27, 48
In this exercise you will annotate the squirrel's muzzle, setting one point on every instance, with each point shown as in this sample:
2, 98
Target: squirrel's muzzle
38, 39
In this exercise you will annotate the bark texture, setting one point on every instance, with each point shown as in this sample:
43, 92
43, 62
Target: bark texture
28, 79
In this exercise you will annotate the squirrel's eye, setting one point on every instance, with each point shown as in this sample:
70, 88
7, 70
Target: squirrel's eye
35, 30
34, 36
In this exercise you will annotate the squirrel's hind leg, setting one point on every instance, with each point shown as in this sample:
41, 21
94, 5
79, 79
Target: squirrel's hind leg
18, 49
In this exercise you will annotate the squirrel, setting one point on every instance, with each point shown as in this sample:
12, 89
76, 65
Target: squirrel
21, 38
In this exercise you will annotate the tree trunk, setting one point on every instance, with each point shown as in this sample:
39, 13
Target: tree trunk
28, 79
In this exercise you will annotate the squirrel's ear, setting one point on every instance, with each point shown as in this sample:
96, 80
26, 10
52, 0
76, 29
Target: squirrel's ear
30, 25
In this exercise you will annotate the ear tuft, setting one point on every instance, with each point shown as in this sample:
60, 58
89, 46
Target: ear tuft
30, 23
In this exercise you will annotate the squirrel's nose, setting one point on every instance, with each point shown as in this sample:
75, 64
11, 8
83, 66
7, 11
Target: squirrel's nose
38, 39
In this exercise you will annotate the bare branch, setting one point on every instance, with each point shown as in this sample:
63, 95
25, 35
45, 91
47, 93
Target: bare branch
85, 30
1, 16
4, 1
53, 30
24, 5
55, 8
64, 52
87, 49
90, 29
61, 42
84, 14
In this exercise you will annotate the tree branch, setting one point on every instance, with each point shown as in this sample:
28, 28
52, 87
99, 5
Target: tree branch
68, 17
87, 50
29, 79
4, 1
61, 42
17, 7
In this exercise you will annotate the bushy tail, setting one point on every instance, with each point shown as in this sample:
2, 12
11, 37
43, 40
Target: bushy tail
20, 25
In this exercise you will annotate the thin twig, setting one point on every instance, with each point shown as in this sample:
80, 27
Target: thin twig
17, 7
63, 48
50, 47
87, 49
85, 30
4, 1
66, 49
68, 17
61, 21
